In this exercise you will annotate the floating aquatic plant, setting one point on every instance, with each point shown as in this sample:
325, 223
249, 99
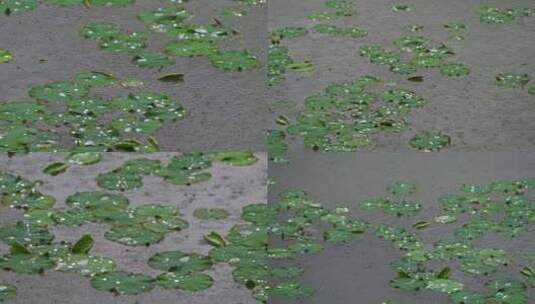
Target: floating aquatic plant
82, 115
510, 80
5, 56
9, 7
493, 15
347, 115
7, 292
429, 141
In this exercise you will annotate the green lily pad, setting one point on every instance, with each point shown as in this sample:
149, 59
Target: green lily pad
119, 180
454, 69
292, 290
189, 282
187, 169
277, 147
18, 6
123, 283
191, 48
401, 8
236, 158
215, 239
463, 297
305, 66
133, 235
20, 112
445, 286
100, 30
5, 55
56, 168
84, 158
509, 80
64, 3
234, 61
180, 262
61, 91
25, 263
83, 264
323, 16
26, 234
430, 141
131, 43
39, 217
402, 188
288, 33
95, 79
23, 139
83, 245
492, 15
95, 199
7, 292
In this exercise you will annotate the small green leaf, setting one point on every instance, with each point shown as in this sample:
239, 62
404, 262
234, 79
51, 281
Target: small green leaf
123, 283
17, 248
305, 66
421, 225
215, 239
7, 292
84, 158
5, 56
56, 168
173, 78
84, 245
236, 158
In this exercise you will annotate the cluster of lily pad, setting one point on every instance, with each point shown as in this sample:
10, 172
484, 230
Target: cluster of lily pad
33, 249
279, 60
9, 7
185, 169
494, 15
190, 40
347, 115
398, 204
64, 116
75, 158
421, 53
456, 30
500, 207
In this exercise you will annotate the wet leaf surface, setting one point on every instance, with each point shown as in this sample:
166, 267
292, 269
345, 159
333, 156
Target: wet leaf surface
5, 56
123, 283
430, 141
7, 292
